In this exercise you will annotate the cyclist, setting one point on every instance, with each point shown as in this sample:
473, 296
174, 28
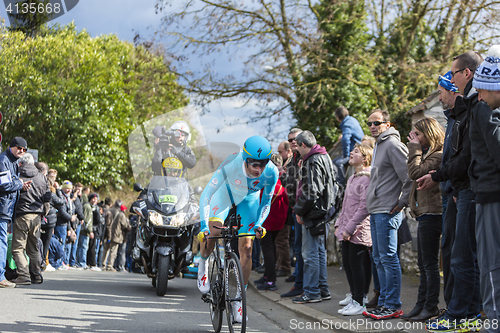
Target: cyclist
239, 179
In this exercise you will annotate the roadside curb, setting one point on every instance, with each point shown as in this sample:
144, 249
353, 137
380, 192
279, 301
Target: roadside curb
323, 320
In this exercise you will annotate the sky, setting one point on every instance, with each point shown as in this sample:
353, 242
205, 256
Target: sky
126, 18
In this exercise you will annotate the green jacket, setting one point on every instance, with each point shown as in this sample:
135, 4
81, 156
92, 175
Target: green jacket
87, 218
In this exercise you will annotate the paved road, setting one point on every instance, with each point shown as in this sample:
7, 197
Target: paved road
87, 301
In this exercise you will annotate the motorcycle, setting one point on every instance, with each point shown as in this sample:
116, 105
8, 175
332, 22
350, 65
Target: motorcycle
168, 219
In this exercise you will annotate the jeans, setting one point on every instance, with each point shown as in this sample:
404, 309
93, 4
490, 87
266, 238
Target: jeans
98, 252
297, 248
314, 256
447, 240
61, 232
73, 247
384, 230
429, 232
3, 247
376, 282
81, 252
466, 298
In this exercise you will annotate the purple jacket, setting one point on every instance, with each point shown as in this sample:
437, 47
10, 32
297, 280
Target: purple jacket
354, 217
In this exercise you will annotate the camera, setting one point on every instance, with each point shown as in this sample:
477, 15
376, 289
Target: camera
166, 138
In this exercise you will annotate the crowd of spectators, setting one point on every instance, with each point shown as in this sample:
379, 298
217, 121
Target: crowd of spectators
53, 226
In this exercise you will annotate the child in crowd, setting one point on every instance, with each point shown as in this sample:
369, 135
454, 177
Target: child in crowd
353, 228
425, 153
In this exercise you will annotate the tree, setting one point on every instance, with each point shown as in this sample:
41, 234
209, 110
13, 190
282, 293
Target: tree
78, 104
28, 16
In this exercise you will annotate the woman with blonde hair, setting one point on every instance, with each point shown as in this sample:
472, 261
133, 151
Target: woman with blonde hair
425, 153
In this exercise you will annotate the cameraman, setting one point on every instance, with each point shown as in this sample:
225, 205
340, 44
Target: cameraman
172, 144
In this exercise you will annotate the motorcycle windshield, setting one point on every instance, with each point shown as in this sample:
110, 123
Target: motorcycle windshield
168, 194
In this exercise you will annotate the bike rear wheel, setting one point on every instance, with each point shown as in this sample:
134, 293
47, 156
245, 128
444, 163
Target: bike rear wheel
216, 289
235, 294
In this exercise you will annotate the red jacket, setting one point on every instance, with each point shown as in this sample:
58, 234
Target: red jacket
279, 209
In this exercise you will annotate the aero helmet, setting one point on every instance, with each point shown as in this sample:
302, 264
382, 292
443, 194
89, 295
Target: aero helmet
182, 126
256, 148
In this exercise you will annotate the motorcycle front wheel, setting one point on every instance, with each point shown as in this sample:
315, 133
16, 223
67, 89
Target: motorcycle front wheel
162, 275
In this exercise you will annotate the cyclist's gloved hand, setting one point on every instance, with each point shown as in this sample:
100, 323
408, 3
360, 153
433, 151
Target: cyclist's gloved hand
202, 235
260, 232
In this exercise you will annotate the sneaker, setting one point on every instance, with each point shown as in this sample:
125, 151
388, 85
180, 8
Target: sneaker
49, 268
203, 283
267, 286
346, 300
345, 308
388, 313
325, 295
302, 299
237, 312
373, 312
293, 292
22, 281
110, 269
365, 299
7, 284
261, 280
63, 267
354, 309
447, 324
291, 278
95, 269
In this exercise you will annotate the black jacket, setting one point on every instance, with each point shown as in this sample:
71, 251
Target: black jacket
78, 211
457, 167
56, 202
484, 169
65, 212
183, 153
32, 200
290, 178
316, 194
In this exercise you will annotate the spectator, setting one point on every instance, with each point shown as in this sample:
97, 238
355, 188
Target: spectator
315, 198
485, 178
65, 215
87, 231
56, 202
10, 184
283, 262
290, 180
95, 243
121, 257
26, 228
274, 223
353, 228
465, 300
56, 253
109, 216
76, 226
118, 227
448, 93
85, 194
352, 133
425, 154
387, 195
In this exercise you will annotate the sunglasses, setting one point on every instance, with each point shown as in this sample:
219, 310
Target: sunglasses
257, 163
455, 72
291, 140
376, 123
22, 148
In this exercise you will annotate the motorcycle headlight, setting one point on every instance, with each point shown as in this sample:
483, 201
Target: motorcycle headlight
155, 218
177, 220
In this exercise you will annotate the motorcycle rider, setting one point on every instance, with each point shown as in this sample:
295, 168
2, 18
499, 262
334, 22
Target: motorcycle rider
172, 144
246, 173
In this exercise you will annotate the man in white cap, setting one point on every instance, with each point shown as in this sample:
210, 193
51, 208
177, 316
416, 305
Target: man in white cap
484, 175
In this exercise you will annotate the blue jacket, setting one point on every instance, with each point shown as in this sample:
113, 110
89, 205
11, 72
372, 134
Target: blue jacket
352, 133
9, 191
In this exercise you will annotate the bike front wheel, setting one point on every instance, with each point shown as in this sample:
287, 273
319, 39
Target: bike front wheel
216, 289
236, 309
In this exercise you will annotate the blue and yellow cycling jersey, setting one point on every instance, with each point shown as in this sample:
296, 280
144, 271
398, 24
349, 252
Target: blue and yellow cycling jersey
215, 201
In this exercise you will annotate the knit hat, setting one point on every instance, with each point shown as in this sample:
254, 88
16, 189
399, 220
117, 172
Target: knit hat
18, 142
123, 208
487, 75
445, 82
67, 184
93, 195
